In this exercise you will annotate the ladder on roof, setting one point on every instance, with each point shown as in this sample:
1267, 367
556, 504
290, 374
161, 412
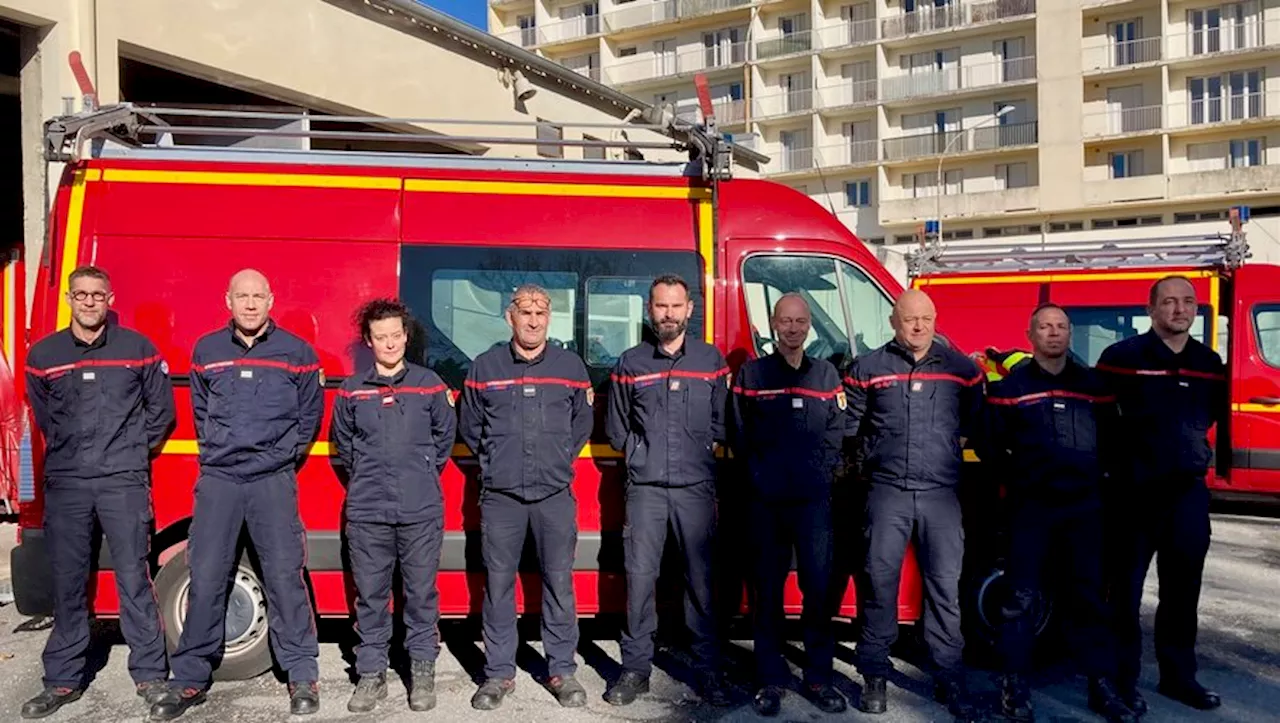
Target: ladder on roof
1224, 251
145, 126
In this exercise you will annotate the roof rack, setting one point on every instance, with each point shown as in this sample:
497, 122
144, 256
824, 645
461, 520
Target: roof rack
1224, 251
145, 126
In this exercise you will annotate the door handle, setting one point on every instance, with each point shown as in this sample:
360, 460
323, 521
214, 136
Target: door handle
1270, 401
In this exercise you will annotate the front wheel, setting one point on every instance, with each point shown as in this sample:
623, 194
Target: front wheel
992, 593
247, 648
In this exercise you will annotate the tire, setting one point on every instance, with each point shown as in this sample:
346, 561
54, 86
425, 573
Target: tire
991, 591
247, 650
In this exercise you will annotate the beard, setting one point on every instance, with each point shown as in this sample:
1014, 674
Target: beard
669, 329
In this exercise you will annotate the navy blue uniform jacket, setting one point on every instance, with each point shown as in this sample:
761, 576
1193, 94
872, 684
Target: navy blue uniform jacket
788, 425
1045, 433
526, 419
666, 412
257, 409
102, 407
908, 416
1167, 402
393, 435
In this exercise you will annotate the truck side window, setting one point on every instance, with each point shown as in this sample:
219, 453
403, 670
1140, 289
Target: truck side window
616, 317
469, 306
1266, 323
868, 307
1094, 328
766, 278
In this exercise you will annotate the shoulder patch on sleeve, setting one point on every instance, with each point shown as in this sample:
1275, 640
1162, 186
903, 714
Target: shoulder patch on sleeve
841, 400
322, 377
591, 397
448, 396
164, 367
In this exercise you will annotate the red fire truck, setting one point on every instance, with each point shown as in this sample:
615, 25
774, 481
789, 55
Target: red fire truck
452, 235
985, 295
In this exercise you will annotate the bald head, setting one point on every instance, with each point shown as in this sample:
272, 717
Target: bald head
249, 299
791, 323
913, 321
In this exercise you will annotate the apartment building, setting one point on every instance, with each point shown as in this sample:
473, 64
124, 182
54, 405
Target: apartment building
1026, 120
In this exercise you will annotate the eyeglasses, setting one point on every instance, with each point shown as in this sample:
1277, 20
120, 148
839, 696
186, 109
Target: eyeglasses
82, 296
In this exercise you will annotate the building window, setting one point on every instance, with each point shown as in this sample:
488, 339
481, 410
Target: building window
627, 52
528, 30
1243, 97
925, 185
1125, 164
548, 131
963, 234
1245, 153
1012, 175
857, 194
1064, 226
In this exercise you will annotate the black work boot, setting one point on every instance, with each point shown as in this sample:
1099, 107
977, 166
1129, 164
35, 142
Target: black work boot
152, 691
824, 697
491, 693
568, 691
875, 695
629, 686
768, 701
1133, 700
422, 693
950, 691
1015, 699
304, 698
714, 689
371, 689
49, 701
1106, 702
176, 702
1190, 693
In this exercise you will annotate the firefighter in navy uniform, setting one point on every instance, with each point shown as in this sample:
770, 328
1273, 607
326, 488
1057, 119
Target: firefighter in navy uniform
912, 404
1171, 389
788, 423
257, 394
667, 404
526, 413
392, 431
1046, 424
103, 401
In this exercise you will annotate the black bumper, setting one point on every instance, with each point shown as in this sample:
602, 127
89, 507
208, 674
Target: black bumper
32, 574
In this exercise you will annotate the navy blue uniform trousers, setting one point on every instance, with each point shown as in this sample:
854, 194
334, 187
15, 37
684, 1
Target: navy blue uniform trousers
1173, 524
1069, 534
690, 512
374, 549
778, 528
122, 505
269, 507
895, 516
505, 521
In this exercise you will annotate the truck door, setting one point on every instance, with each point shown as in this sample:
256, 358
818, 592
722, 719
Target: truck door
1255, 380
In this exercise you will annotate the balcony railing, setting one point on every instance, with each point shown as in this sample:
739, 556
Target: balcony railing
685, 61
584, 70
849, 153
1117, 121
790, 160
794, 101
524, 37
928, 19
730, 112
1210, 41
569, 29
638, 15
1217, 110
987, 138
849, 93
949, 80
801, 42
850, 32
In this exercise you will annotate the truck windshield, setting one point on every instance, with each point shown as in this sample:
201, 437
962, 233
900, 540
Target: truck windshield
1094, 328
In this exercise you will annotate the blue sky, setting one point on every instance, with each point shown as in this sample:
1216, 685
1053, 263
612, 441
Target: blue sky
470, 11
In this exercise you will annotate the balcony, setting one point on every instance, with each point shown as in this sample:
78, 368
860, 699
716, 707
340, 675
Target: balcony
790, 160
782, 104
524, 37
683, 62
1122, 121
959, 205
1211, 111
1125, 190
1208, 42
1113, 55
849, 153
949, 80
788, 44
988, 138
655, 13
846, 34
562, 31
1224, 181
848, 93
730, 112
583, 69
504, 4
954, 15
